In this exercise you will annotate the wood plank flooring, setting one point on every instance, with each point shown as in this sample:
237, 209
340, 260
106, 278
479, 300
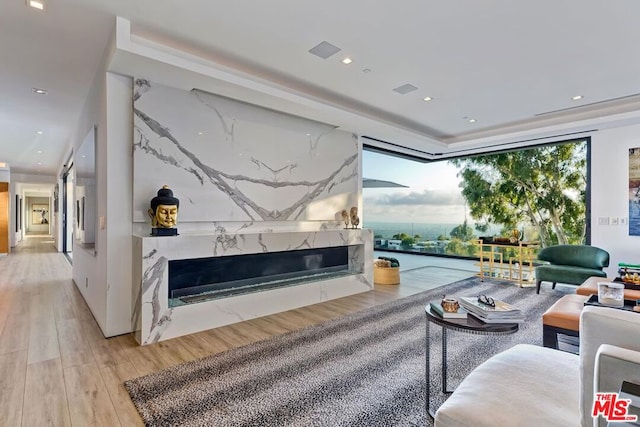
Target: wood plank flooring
57, 369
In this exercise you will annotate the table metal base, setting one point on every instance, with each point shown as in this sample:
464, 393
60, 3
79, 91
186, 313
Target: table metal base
468, 325
445, 389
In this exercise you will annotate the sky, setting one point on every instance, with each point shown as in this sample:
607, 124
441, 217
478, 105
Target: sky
433, 195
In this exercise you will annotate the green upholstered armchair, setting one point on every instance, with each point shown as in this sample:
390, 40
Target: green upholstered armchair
571, 264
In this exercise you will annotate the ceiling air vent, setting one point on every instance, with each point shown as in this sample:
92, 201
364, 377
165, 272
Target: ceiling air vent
404, 89
324, 50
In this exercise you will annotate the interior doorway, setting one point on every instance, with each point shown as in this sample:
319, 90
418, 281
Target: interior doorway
38, 218
67, 213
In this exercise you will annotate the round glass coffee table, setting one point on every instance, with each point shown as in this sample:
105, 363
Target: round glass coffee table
469, 325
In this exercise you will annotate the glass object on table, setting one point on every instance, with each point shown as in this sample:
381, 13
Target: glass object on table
611, 294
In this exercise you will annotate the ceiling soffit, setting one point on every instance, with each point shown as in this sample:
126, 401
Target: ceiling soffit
182, 65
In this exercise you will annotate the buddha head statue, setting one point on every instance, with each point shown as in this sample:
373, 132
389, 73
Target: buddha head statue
164, 209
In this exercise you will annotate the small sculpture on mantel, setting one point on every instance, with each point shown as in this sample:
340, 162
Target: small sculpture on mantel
164, 213
345, 218
355, 220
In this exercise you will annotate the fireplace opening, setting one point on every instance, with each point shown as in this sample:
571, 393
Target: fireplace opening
200, 279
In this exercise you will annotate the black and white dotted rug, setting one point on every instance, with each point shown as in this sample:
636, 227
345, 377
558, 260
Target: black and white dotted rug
363, 369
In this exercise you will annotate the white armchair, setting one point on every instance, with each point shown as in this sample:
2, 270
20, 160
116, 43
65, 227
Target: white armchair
536, 386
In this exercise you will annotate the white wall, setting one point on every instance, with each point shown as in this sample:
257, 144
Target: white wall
89, 267
610, 193
117, 214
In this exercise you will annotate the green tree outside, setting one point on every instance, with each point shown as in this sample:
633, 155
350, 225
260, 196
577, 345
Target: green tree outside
407, 243
459, 247
544, 187
462, 232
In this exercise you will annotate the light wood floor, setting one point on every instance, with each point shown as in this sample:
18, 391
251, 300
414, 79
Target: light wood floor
57, 369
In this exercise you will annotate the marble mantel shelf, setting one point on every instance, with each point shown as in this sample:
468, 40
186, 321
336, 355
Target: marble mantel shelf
153, 320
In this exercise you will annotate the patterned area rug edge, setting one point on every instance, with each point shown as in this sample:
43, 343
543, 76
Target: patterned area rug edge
365, 368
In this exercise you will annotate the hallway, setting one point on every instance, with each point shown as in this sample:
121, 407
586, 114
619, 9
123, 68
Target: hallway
56, 368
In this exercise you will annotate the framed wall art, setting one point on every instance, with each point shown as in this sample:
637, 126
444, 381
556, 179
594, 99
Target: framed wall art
39, 214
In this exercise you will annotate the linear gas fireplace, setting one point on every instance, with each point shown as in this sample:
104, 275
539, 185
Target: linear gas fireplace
193, 282
201, 279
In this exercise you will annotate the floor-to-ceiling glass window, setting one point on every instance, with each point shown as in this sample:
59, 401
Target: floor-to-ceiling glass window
447, 205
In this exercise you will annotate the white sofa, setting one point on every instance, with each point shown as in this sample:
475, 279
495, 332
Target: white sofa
536, 386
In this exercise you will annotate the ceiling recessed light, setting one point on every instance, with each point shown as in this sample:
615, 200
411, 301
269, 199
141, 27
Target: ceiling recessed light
577, 97
36, 4
39, 132
200, 133
347, 61
39, 151
472, 120
39, 163
427, 99
39, 91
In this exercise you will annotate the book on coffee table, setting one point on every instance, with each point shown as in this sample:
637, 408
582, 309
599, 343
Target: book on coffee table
512, 319
501, 313
437, 309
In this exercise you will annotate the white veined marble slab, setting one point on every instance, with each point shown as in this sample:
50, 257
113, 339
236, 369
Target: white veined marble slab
227, 160
154, 320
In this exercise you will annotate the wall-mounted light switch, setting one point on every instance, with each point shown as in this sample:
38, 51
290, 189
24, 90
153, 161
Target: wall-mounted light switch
623, 220
102, 223
603, 220
614, 220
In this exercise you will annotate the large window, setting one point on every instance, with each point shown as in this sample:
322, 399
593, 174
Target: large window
448, 205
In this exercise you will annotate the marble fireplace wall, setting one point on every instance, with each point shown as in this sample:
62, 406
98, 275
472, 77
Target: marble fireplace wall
231, 161
154, 320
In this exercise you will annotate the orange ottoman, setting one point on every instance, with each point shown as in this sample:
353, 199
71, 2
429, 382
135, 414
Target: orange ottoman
563, 317
590, 287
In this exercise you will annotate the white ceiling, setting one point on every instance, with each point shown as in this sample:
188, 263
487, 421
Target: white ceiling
512, 66
35, 190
